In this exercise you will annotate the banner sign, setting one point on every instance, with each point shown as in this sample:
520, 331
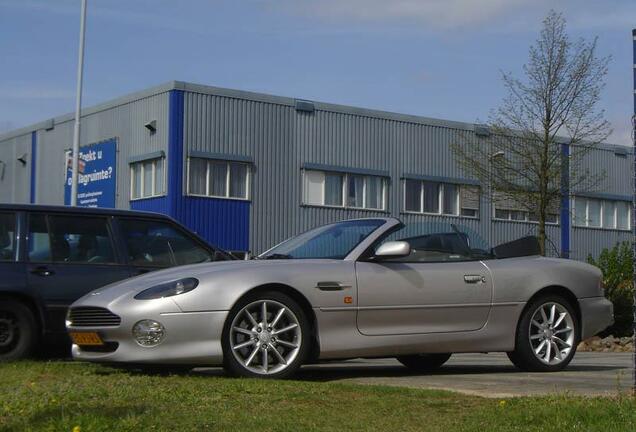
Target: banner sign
97, 178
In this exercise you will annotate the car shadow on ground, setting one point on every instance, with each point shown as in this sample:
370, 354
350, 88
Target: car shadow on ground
354, 369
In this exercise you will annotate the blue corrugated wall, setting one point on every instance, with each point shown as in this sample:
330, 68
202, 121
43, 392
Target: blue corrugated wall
222, 222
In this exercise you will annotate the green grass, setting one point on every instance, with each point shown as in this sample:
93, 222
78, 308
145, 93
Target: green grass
59, 396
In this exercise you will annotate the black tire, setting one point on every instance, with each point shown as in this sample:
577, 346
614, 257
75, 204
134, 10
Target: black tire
18, 330
424, 362
235, 368
523, 356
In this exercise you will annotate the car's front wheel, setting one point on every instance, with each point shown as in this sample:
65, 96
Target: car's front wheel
266, 335
424, 362
547, 335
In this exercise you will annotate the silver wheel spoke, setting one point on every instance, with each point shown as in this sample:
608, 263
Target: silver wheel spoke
265, 359
536, 336
244, 344
561, 341
552, 314
540, 347
557, 351
548, 352
264, 313
279, 315
278, 355
244, 331
251, 357
536, 323
251, 318
543, 315
285, 329
567, 329
285, 343
559, 320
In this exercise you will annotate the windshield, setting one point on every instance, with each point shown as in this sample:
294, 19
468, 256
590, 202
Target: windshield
439, 242
333, 241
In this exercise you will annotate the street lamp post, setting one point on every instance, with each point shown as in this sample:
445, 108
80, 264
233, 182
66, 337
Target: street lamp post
78, 106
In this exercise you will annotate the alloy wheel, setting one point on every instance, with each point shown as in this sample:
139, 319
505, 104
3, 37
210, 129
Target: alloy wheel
265, 337
551, 333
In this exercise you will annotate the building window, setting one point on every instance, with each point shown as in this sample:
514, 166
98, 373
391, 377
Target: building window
333, 189
506, 208
596, 213
218, 178
441, 198
147, 178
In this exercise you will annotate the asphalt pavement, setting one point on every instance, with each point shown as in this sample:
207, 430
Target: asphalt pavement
489, 375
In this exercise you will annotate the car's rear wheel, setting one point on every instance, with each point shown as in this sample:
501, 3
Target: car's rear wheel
547, 335
266, 335
18, 330
424, 362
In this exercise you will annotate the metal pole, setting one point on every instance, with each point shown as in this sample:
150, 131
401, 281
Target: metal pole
634, 216
78, 106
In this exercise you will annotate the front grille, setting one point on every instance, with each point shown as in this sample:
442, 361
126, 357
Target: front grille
84, 316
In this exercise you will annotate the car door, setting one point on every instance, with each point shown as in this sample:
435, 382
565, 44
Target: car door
69, 255
152, 244
435, 289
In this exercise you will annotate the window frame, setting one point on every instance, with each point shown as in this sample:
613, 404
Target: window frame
440, 199
603, 202
346, 176
15, 241
119, 220
140, 164
112, 236
526, 218
228, 179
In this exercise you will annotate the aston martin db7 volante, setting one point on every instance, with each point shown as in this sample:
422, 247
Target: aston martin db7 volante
358, 288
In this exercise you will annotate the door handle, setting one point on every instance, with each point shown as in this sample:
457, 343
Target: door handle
474, 279
42, 271
331, 286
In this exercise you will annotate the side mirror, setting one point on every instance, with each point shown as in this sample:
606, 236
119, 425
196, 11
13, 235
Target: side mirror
393, 249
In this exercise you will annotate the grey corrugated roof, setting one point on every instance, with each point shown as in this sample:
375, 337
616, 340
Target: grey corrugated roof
260, 97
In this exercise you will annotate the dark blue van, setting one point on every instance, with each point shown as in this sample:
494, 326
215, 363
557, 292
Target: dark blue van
51, 256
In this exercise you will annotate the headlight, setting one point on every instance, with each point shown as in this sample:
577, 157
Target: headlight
148, 333
168, 289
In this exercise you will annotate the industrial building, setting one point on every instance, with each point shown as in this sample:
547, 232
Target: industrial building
248, 170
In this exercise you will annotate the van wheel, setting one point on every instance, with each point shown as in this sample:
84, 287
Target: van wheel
18, 330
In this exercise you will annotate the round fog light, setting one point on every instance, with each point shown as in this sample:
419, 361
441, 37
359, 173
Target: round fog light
148, 333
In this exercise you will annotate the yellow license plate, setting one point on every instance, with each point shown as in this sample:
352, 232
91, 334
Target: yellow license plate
86, 338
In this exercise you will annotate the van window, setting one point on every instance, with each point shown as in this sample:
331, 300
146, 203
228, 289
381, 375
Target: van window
7, 236
70, 239
155, 243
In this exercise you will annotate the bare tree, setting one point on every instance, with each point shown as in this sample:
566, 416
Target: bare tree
554, 108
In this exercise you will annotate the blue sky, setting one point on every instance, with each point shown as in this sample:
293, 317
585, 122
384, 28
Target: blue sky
437, 58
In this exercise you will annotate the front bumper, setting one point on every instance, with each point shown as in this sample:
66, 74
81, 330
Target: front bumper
190, 339
597, 313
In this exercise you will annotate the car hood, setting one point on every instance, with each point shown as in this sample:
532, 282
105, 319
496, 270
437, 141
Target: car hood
205, 273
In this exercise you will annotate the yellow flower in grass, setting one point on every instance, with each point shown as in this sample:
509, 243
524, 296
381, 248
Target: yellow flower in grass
77, 429
502, 403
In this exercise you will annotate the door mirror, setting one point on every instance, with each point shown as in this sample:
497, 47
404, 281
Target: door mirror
393, 249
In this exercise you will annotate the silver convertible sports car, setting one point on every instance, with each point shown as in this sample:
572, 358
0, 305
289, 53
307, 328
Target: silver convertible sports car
357, 288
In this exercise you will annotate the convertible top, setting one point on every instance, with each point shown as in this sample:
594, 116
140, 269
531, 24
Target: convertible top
525, 246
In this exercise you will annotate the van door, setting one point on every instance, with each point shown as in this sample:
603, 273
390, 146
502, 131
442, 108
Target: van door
68, 257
